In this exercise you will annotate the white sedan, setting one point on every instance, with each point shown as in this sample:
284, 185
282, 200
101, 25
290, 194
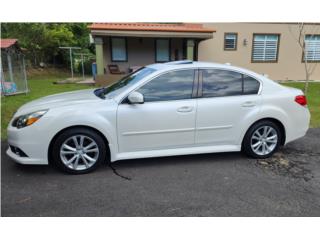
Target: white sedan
175, 108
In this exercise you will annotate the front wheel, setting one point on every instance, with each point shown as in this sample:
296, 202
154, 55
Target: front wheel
262, 139
78, 150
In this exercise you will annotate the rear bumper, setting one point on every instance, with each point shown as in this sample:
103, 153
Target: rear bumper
299, 125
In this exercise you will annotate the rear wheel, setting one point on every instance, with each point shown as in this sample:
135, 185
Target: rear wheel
78, 150
262, 139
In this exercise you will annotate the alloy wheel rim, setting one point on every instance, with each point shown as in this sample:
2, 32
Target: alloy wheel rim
79, 152
264, 140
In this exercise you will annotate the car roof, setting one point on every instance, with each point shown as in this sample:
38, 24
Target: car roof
195, 64
182, 64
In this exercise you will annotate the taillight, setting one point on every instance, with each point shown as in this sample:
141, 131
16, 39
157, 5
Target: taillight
301, 99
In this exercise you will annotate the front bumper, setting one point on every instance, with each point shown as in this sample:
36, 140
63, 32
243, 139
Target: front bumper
32, 142
23, 160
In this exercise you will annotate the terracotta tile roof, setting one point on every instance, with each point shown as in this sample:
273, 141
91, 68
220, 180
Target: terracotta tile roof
5, 43
163, 27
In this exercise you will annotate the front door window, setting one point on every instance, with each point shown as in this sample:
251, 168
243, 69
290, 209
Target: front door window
175, 85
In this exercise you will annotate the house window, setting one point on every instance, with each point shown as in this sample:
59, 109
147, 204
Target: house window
312, 48
162, 50
265, 47
119, 50
230, 41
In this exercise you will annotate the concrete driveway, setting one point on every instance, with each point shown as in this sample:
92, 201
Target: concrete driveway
227, 184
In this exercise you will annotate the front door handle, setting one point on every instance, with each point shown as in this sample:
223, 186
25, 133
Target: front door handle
185, 109
248, 104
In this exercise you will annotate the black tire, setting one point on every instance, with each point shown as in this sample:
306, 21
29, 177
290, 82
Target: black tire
60, 139
246, 143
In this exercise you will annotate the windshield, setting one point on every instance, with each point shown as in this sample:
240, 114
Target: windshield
127, 81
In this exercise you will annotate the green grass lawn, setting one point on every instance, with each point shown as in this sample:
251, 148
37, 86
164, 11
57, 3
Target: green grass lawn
313, 98
42, 85
39, 86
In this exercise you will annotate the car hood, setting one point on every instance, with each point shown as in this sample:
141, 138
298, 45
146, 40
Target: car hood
61, 99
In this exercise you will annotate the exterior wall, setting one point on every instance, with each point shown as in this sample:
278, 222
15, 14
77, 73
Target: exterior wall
289, 65
141, 52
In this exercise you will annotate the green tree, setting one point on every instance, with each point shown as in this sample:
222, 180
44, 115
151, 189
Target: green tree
42, 40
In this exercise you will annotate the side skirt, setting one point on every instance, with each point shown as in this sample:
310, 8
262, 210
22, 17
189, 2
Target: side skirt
177, 151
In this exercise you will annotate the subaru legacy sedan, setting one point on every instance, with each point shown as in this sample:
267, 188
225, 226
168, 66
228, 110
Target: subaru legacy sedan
174, 108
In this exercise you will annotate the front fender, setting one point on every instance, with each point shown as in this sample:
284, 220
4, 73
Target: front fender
104, 122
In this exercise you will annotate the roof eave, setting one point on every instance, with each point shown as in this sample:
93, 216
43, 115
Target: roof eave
148, 33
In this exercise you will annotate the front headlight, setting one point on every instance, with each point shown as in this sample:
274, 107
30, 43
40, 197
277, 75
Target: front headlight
28, 119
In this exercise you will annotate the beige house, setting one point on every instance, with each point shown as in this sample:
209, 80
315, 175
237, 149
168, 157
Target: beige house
267, 48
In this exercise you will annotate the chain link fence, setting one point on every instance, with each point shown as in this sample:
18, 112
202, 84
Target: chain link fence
13, 73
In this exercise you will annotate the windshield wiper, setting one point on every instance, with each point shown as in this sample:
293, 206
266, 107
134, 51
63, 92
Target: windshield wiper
100, 92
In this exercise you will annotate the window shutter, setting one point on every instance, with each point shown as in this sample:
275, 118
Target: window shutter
265, 48
312, 48
230, 41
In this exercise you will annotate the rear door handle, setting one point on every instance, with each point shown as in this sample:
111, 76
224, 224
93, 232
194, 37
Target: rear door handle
248, 104
185, 109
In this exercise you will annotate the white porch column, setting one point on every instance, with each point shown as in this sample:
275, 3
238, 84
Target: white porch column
190, 49
99, 55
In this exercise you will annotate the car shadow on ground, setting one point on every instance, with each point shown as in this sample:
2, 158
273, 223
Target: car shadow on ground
119, 168
180, 159
292, 160
216, 184
32, 169
141, 163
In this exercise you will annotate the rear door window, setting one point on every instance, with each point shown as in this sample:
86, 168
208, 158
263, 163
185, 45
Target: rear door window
250, 85
221, 83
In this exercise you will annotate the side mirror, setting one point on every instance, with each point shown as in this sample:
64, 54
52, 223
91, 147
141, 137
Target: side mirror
135, 98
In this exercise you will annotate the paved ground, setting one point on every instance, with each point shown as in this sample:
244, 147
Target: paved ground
200, 185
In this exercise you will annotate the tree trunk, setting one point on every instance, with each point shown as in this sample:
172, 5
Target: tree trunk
306, 84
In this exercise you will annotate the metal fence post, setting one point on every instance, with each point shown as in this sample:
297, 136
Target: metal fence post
10, 66
82, 66
71, 62
70, 53
2, 80
24, 73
